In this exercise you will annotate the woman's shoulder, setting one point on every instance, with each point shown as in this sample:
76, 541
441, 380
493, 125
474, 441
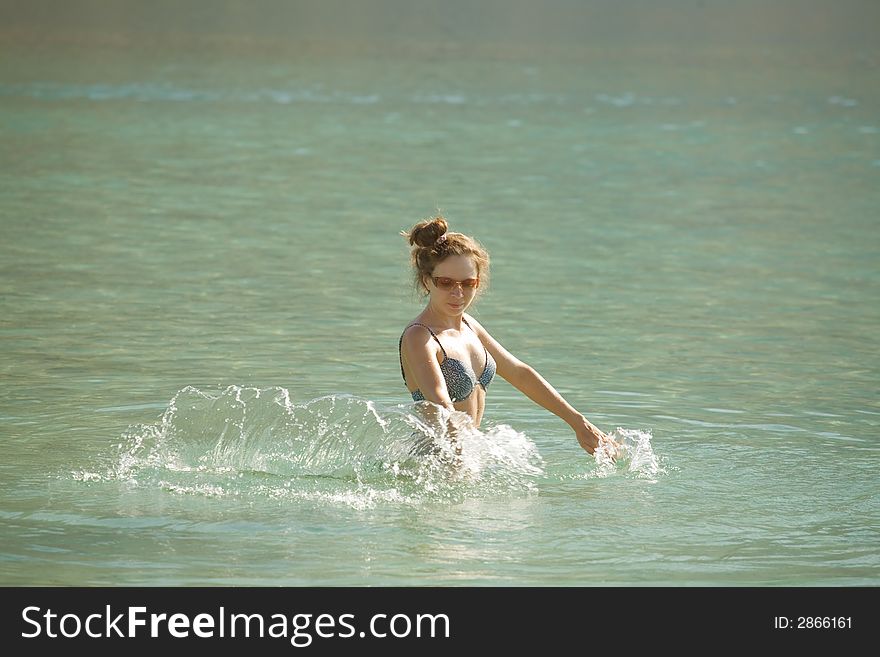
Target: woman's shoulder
415, 322
476, 326
472, 322
415, 333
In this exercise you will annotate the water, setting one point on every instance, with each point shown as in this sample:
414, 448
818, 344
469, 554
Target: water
202, 290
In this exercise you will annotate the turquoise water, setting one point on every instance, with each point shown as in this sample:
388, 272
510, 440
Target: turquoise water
202, 290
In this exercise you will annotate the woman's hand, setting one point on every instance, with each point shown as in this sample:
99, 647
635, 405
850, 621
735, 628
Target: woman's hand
591, 437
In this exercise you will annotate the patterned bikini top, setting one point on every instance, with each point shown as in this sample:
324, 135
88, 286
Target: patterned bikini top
460, 378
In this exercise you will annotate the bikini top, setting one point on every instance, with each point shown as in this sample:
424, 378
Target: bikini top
460, 378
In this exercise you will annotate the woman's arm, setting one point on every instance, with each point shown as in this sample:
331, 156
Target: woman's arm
421, 352
534, 386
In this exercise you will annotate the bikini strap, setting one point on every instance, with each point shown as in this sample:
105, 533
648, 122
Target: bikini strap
481, 342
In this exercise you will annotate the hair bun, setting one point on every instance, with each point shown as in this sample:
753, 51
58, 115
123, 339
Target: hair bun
427, 232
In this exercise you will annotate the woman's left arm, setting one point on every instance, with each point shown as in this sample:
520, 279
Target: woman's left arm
527, 380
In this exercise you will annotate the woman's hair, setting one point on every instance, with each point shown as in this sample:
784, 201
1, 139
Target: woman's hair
432, 244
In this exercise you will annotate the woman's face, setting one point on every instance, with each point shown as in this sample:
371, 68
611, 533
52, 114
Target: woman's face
454, 299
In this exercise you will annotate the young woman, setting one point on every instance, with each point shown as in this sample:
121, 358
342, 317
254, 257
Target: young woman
446, 356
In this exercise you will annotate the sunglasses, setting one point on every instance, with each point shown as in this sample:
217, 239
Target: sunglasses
448, 283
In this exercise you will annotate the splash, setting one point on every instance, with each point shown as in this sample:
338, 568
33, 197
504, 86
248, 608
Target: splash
338, 449
635, 455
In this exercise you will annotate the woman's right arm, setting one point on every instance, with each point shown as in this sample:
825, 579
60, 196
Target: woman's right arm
420, 351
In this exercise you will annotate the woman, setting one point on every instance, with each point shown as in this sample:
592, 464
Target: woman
446, 356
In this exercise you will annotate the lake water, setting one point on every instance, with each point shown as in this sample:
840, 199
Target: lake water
203, 288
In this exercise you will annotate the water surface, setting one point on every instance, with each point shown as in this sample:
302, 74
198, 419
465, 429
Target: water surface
202, 290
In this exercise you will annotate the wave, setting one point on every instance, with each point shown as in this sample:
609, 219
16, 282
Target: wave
166, 92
